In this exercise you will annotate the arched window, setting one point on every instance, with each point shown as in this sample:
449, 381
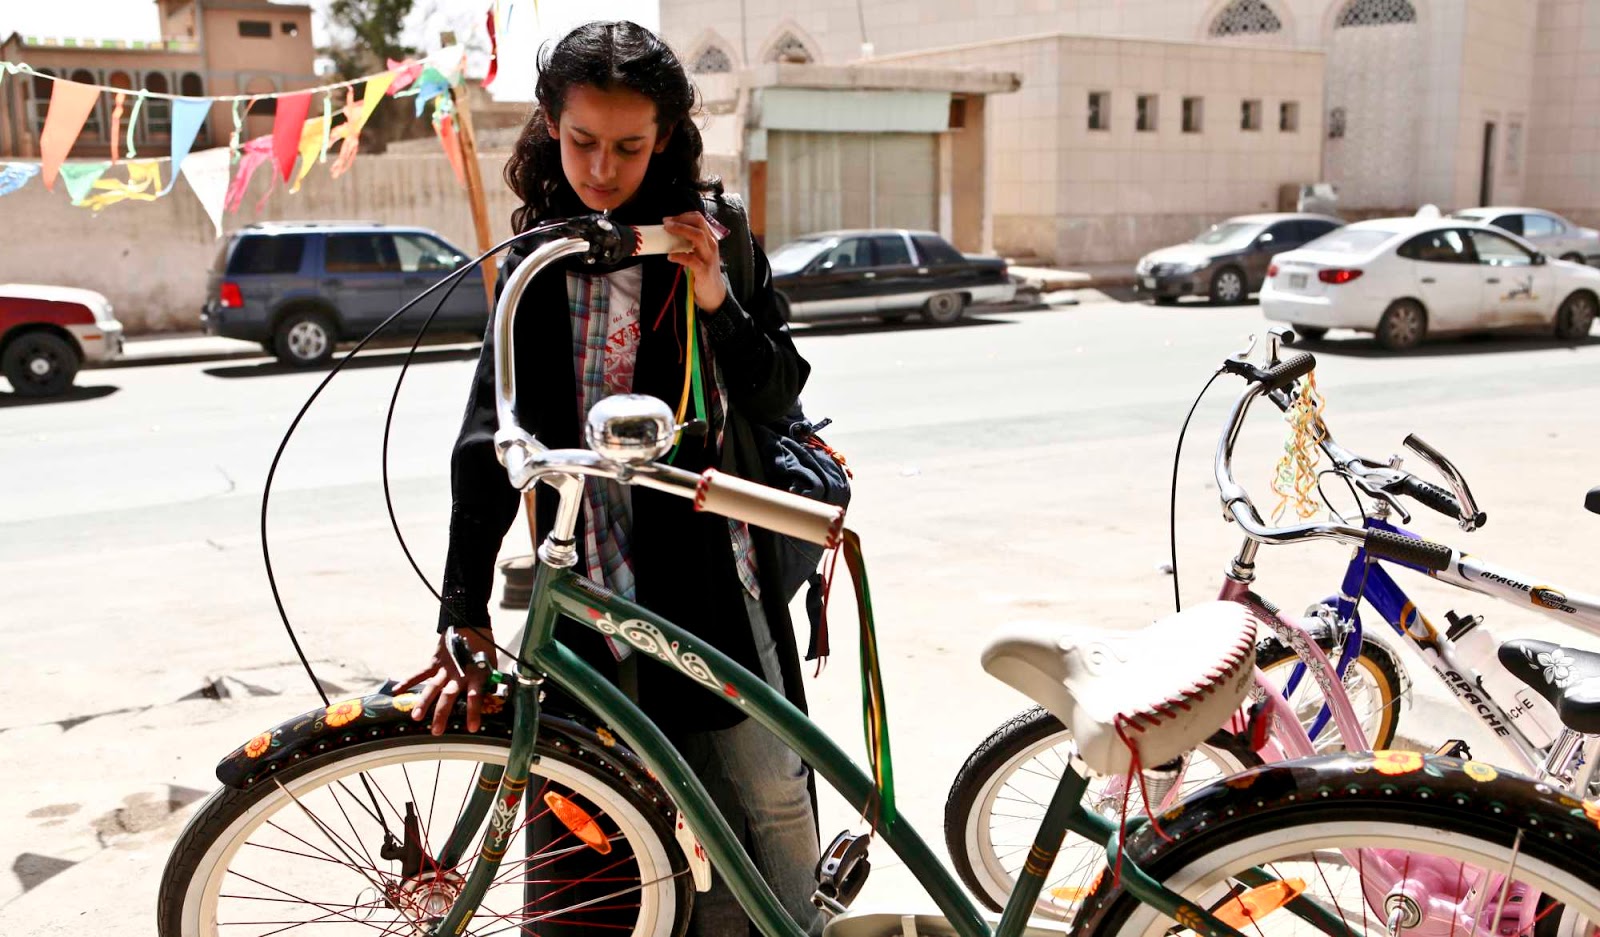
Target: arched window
1245, 18
93, 127
790, 49
40, 102
712, 60
1376, 13
157, 111
191, 85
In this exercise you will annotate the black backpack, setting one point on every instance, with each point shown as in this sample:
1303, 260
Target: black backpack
793, 457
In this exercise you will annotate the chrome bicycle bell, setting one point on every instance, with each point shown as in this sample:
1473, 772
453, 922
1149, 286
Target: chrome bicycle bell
630, 428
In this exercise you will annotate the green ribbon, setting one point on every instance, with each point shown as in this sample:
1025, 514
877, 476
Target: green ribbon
874, 705
238, 122
133, 123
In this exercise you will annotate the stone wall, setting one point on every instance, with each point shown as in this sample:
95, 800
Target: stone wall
151, 258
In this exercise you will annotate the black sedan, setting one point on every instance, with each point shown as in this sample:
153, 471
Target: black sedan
885, 273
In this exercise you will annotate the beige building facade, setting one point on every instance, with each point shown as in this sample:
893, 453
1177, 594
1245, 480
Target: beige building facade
207, 47
1398, 103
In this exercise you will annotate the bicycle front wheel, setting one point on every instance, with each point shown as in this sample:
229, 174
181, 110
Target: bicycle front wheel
327, 846
1369, 844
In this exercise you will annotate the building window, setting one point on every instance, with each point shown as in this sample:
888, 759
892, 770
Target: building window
1244, 18
1376, 13
712, 61
1146, 115
790, 49
293, 29
1099, 110
255, 29
191, 85
1289, 116
1250, 115
1193, 115
157, 111
42, 88
1513, 149
93, 126
1336, 119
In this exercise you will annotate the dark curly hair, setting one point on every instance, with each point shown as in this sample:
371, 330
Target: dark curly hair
605, 55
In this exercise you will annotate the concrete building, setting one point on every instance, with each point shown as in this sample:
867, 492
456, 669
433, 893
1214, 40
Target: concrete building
207, 47
1397, 102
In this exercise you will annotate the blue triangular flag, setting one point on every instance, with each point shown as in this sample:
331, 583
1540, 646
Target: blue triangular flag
14, 176
187, 116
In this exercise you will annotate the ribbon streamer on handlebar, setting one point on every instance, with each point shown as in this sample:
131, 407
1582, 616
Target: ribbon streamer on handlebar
874, 707
693, 385
1297, 477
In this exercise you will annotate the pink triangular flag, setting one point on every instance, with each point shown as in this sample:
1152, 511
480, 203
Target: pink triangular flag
70, 104
287, 125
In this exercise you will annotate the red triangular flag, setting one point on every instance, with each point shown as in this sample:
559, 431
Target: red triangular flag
287, 125
494, 50
70, 104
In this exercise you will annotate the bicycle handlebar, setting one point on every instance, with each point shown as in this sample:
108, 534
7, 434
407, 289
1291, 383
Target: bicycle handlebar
1238, 507
527, 461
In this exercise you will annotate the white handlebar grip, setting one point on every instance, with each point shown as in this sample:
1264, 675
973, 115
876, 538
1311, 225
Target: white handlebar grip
654, 239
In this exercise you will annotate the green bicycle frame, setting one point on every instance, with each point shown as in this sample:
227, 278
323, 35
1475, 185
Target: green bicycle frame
562, 592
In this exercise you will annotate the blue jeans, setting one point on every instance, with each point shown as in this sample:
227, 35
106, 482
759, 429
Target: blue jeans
760, 786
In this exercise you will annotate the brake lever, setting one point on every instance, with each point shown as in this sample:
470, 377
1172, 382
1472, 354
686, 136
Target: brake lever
1376, 480
1471, 517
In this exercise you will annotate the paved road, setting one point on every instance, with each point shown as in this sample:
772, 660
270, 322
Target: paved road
1016, 466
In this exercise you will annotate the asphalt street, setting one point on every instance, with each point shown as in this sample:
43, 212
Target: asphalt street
1016, 466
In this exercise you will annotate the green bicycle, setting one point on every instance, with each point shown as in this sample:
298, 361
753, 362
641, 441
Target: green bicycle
351, 818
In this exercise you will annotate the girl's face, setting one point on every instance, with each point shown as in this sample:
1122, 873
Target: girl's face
607, 139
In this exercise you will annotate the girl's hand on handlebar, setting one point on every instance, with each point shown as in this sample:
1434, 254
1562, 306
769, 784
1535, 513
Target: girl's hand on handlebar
703, 259
442, 682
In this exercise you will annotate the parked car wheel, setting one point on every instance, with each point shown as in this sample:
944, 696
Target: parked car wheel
1575, 316
1311, 333
305, 338
1403, 326
1573, 256
944, 308
40, 364
1227, 287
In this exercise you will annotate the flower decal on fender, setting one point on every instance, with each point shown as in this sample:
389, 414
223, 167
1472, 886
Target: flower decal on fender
1591, 809
405, 702
605, 736
1478, 771
1392, 763
258, 746
343, 713
493, 704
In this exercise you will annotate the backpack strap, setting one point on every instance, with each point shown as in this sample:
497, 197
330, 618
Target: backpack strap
738, 248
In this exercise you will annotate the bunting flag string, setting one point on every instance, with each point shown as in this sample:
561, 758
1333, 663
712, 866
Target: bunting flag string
296, 144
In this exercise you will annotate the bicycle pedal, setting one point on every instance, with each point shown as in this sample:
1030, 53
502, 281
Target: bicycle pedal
841, 872
1454, 748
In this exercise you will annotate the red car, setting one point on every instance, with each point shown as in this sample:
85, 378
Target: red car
48, 332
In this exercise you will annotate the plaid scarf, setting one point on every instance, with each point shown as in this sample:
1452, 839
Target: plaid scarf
608, 505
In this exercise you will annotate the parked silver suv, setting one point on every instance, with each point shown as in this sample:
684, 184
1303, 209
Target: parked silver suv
299, 288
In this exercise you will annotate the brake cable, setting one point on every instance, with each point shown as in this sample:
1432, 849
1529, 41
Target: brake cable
1172, 501
450, 282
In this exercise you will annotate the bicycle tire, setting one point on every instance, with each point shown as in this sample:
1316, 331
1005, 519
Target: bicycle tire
1375, 664
203, 858
1357, 802
969, 808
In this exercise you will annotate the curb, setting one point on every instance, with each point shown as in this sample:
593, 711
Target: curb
178, 357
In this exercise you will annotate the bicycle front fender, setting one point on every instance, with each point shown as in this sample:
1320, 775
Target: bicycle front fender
364, 719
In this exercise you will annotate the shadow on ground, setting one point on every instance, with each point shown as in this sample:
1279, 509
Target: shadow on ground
367, 359
73, 395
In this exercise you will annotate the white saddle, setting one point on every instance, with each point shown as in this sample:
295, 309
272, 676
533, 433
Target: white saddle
1166, 687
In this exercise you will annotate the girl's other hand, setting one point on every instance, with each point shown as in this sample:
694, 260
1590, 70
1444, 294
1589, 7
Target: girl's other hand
702, 259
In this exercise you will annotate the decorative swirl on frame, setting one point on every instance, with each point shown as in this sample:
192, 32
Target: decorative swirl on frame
649, 639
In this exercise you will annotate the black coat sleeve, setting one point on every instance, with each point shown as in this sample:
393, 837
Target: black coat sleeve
763, 370
483, 503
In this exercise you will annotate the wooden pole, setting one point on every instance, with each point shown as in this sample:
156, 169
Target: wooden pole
475, 196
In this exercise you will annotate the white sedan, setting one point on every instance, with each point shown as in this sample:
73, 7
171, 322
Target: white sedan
1406, 278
